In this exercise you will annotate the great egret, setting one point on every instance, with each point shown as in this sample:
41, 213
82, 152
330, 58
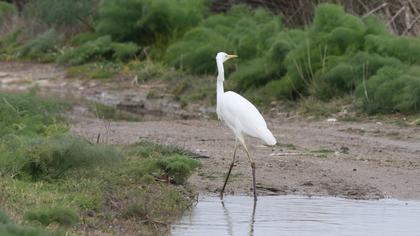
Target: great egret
241, 116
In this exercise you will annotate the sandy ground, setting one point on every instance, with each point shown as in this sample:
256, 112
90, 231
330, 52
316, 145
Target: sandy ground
360, 160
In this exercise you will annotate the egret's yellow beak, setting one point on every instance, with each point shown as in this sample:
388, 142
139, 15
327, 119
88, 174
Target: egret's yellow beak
232, 56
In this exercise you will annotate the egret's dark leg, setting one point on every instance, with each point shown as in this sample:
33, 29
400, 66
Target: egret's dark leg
251, 230
253, 172
230, 169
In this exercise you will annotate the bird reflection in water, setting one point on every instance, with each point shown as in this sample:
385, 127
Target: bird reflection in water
229, 221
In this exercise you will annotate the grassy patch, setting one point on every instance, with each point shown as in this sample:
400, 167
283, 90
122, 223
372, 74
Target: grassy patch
167, 163
14, 230
62, 216
8, 228
154, 205
50, 158
119, 190
63, 181
28, 114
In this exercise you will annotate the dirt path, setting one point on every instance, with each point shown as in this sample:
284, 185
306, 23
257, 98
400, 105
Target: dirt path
355, 160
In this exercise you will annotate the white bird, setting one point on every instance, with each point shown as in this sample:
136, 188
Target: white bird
241, 116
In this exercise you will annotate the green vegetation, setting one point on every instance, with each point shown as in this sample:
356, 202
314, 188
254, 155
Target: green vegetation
4, 219
6, 10
66, 16
148, 21
338, 55
47, 158
60, 182
62, 216
29, 115
7, 228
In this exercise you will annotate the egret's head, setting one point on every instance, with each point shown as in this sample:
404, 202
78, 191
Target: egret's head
222, 57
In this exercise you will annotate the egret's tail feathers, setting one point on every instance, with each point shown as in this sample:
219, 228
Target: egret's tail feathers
268, 138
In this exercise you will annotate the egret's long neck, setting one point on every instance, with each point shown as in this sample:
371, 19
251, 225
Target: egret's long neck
220, 79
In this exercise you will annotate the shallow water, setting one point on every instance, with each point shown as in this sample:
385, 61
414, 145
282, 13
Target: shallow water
295, 215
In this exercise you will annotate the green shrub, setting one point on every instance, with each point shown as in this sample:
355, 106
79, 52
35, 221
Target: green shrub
145, 21
124, 51
6, 9
28, 114
163, 161
95, 50
392, 89
176, 168
100, 49
62, 15
248, 33
347, 72
63, 216
82, 38
406, 49
43, 48
50, 158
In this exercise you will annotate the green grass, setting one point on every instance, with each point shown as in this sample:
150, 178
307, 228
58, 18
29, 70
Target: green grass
50, 158
28, 114
54, 181
4, 219
14, 230
62, 216
140, 177
168, 163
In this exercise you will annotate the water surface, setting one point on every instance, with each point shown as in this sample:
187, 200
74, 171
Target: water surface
295, 215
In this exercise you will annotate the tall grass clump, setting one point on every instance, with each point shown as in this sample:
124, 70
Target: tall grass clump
50, 158
28, 114
148, 21
62, 216
34, 144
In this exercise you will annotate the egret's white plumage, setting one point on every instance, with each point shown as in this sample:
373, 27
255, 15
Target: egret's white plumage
243, 118
240, 115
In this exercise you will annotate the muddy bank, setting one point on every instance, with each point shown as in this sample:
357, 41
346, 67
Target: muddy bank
122, 92
360, 160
